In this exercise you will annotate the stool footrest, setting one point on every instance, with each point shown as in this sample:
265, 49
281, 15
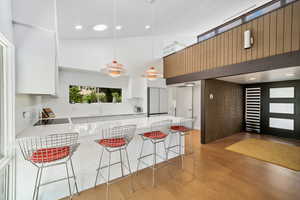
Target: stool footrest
58, 180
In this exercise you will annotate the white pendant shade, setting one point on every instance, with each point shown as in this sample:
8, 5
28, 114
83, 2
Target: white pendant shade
114, 69
152, 74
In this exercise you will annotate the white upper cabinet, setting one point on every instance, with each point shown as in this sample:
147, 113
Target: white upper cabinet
39, 13
36, 46
35, 60
137, 87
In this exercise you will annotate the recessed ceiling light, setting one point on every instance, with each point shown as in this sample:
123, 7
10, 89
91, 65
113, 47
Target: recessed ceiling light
100, 27
290, 74
252, 79
147, 27
119, 27
78, 27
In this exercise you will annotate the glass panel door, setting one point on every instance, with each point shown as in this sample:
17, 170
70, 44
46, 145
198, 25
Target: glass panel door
280, 109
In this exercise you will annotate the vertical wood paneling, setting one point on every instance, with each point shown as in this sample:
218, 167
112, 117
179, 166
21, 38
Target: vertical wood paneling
194, 56
239, 45
267, 20
214, 52
280, 31
234, 46
208, 54
244, 52
249, 51
222, 49
226, 45
198, 58
219, 50
287, 45
260, 37
255, 35
273, 33
202, 57
296, 26
205, 55
230, 47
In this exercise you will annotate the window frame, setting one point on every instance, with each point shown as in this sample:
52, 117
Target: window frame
7, 162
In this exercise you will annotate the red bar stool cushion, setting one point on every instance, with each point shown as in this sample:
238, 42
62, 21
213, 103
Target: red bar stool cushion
113, 142
50, 154
180, 128
155, 135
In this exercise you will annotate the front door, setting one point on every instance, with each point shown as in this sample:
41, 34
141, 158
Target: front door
281, 109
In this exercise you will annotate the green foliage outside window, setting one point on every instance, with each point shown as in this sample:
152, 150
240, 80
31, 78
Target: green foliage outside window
84, 94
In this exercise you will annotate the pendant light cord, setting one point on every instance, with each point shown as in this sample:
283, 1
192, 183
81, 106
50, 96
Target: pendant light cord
152, 32
114, 27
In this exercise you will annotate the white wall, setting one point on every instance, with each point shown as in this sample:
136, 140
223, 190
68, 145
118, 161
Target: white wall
92, 54
6, 19
26, 110
61, 106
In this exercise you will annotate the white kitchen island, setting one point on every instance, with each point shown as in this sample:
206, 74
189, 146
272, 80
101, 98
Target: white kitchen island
85, 159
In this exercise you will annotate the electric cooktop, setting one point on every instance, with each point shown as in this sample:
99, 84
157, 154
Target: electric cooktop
52, 121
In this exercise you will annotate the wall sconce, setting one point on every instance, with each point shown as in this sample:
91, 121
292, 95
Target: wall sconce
248, 39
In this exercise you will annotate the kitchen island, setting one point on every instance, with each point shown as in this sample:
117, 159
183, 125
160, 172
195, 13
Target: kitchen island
85, 159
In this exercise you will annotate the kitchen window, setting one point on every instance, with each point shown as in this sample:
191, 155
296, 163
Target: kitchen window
88, 94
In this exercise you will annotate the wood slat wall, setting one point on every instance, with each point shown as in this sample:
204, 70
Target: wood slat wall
274, 33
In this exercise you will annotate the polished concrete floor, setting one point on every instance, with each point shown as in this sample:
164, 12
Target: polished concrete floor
211, 173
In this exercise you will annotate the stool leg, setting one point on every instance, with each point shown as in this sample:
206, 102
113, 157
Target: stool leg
68, 177
154, 164
180, 148
191, 142
122, 170
39, 183
139, 159
166, 150
129, 168
72, 168
36, 183
108, 177
98, 170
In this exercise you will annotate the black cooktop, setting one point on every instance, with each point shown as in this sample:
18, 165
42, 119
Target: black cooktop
52, 121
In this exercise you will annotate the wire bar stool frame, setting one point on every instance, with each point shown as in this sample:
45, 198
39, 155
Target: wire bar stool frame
115, 139
160, 128
50, 151
181, 129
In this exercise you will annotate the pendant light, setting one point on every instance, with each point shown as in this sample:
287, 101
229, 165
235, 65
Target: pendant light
152, 74
114, 69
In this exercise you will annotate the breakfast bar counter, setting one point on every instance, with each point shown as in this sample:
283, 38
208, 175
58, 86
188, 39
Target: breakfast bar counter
85, 159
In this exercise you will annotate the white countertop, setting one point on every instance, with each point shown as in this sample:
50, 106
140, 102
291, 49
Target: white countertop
97, 115
93, 128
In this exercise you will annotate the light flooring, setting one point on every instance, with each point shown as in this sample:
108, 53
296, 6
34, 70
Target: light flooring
210, 173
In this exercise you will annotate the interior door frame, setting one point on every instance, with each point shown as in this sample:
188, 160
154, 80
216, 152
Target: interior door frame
265, 114
8, 103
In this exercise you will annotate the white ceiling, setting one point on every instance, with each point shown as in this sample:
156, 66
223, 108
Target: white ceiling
265, 76
172, 17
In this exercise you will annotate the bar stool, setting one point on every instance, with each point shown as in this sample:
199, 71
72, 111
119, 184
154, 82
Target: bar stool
179, 129
50, 151
158, 134
115, 139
